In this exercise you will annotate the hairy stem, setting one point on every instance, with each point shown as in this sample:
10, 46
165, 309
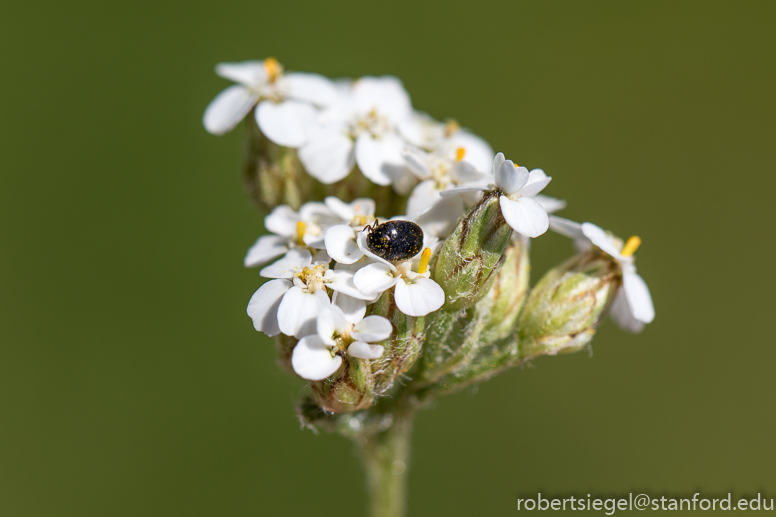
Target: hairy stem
386, 459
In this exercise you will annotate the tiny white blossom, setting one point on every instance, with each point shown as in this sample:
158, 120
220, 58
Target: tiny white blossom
318, 356
519, 186
340, 240
290, 303
286, 103
632, 306
291, 230
361, 128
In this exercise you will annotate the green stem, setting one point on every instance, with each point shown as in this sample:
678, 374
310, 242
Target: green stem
386, 460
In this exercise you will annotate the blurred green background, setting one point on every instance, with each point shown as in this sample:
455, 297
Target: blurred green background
131, 380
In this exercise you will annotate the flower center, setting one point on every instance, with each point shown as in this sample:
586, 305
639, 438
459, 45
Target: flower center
312, 276
631, 246
273, 68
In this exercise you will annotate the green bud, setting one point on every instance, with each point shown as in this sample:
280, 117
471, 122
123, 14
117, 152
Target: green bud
500, 307
471, 255
352, 389
273, 174
564, 308
401, 349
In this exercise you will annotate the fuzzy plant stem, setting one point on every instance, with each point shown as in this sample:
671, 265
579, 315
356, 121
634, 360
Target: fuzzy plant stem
386, 456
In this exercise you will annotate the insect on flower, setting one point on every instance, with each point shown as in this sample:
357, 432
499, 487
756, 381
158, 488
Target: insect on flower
395, 241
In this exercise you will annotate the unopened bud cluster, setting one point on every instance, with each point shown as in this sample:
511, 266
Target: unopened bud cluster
397, 246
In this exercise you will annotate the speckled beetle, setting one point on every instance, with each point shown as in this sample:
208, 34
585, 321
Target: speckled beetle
394, 241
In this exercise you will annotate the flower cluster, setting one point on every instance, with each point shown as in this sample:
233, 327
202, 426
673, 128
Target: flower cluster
345, 284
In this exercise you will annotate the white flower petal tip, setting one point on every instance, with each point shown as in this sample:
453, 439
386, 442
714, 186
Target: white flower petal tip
525, 215
285, 123
265, 249
638, 297
341, 245
418, 298
372, 329
362, 350
313, 360
264, 304
228, 109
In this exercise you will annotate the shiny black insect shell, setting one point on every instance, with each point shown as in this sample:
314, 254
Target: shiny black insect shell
395, 241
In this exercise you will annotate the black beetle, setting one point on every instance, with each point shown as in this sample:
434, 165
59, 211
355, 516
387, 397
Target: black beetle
395, 241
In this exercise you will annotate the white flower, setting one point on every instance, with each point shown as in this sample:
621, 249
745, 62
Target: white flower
632, 306
286, 102
437, 171
340, 240
292, 230
361, 128
426, 133
414, 291
291, 303
318, 356
520, 210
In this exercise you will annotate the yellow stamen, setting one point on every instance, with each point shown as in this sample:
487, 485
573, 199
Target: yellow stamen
301, 229
516, 166
273, 68
424, 258
459, 154
451, 126
631, 246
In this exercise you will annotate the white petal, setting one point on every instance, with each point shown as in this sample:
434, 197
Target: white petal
248, 73
298, 312
364, 247
341, 209
620, 312
462, 190
442, 218
465, 172
312, 88
331, 324
312, 359
328, 155
282, 221
419, 298
265, 249
292, 261
416, 160
341, 244
364, 206
498, 161
478, 152
315, 212
263, 306
525, 216
353, 308
286, 123
372, 329
510, 178
228, 109
384, 94
598, 236
363, 350
550, 204
565, 227
638, 296
537, 180
424, 196
374, 279
380, 158
341, 280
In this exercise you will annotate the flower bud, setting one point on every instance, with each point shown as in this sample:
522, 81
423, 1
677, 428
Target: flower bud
273, 174
501, 305
352, 389
472, 254
401, 349
562, 311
